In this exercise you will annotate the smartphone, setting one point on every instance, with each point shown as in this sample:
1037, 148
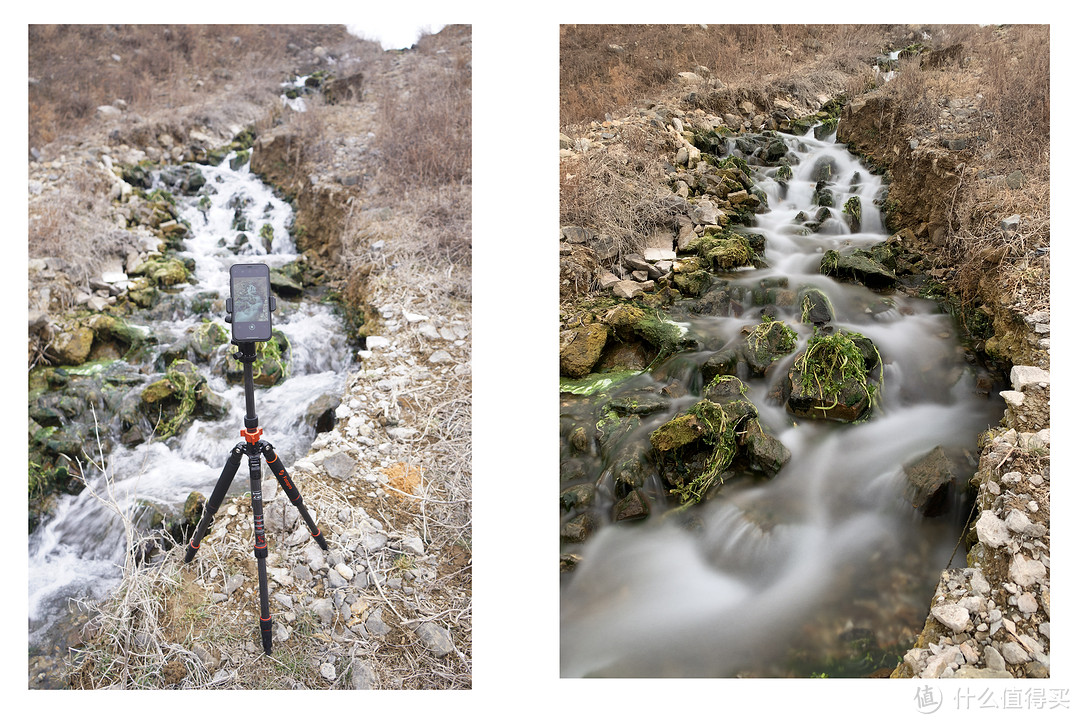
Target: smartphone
249, 285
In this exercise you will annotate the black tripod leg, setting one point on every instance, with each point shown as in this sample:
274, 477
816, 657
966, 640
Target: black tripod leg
292, 491
212, 505
265, 622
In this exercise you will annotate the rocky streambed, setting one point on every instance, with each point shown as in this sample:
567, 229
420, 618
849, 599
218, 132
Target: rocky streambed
710, 468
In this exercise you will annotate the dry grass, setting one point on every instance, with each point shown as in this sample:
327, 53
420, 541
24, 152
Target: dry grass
1005, 72
146, 635
72, 222
606, 68
424, 132
73, 69
620, 196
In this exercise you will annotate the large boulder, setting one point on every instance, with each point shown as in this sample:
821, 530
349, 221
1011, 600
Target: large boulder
580, 349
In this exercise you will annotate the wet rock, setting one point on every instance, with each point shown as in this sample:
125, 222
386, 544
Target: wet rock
578, 528
830, 380
764, 452
815, 307
929, 481
767, 342
857, 265
580, 349
578, 497
633, 506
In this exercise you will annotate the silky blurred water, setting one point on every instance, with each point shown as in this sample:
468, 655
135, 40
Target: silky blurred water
769, 574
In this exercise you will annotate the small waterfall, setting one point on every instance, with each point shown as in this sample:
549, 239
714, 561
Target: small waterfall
765, 578
234, 217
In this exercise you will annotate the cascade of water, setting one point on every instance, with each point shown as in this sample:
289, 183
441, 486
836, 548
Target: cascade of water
78, 551
766, 571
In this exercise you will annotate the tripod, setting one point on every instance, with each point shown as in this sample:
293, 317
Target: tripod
253, 446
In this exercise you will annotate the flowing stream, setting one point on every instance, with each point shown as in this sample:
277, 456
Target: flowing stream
79, 550
824, 569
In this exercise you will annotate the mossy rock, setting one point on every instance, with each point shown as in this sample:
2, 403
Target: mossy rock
580, 349
237, 162
723, 251
815, 307
285, 285
860, 266
271, 363
853, 213
695, 448
111, 329
172, 402
830, 379
767, 342
163, 271
206, 338
72, 347
143, 292
692, 284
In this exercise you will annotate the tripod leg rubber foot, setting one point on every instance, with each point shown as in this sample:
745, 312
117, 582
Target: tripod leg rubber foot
266, 626
189, 554
320, 540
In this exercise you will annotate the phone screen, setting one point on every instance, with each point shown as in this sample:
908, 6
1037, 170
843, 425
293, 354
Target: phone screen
250, 286
251, 300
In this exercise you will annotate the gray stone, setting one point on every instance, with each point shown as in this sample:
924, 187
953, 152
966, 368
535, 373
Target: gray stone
992, 530
413, 545
339, 465
1014, 653
375, 625
655, 255
954, 616
436, 638
994, 660
323, 608
440, 357
1023, 377
1025, 571
1010, 223
1026, 603
373, 541
233, 582
627, 289
327, 671
362, 677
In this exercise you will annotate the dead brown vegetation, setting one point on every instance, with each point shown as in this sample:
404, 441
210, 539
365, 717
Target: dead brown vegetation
76, 68
1005, 73
605, 68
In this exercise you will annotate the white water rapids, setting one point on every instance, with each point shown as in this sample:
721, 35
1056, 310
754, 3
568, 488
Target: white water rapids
770, 573
77, 552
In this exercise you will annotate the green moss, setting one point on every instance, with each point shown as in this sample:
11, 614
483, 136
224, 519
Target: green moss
179, 386
594, 383
266, 233
734, 162
769, 340
836, 365
726, 250
712, 425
